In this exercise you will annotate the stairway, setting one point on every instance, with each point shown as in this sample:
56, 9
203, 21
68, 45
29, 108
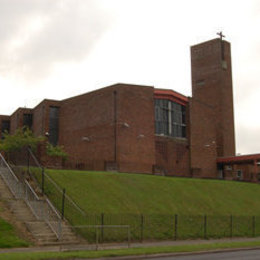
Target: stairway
5, 193
38, 227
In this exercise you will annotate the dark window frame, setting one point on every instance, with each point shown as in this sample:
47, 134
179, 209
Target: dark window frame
28, 120
5, 127
54, 125
170, 118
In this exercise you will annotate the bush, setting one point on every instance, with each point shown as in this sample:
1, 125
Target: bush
23, 137
56, 151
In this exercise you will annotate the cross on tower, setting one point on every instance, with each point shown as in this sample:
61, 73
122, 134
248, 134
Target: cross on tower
221, 35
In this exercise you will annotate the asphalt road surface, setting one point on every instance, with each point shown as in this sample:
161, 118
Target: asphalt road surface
236, 255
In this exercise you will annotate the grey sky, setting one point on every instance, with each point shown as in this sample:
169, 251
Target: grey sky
59, 48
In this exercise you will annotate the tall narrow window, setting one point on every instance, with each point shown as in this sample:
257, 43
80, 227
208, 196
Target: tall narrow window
170, 118
27, 120
5, 127
161, 116
54, 125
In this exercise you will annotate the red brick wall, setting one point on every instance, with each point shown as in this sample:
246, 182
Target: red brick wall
86, 128
87, 124
249, 171
172, 156
136, 151
212, 122
17, 118
39, 126
41, 116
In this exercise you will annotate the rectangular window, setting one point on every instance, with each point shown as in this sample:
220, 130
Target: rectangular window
5, 127
28, 120
240, 174
170, 118
54, 125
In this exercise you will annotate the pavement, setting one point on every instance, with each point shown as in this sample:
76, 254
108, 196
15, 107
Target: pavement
84, 247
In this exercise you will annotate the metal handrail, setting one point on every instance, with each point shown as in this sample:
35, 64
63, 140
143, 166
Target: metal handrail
31, 189
34, 158
32, 199
56, 185
10, 179
53, 208
28, 202
7, 165
66, 196
59, 220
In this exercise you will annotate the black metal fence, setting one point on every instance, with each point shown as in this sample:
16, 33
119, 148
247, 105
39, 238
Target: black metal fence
146, 226
142, 226
172, 227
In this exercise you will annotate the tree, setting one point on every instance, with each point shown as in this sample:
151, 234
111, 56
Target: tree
23, 137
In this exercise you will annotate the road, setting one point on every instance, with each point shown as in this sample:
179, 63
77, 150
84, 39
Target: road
236, 255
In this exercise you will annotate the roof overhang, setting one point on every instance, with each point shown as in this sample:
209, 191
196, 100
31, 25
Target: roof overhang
171, 95
239, 159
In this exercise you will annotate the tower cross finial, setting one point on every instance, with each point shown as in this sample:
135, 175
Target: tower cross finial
221, 35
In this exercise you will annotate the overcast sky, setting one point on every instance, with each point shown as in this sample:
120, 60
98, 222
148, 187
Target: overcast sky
60, 48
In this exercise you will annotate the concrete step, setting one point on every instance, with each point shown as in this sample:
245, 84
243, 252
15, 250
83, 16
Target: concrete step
41, 232
20, 209
5, 192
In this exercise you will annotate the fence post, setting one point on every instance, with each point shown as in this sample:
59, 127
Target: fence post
62, 205
175, 226
102, 228
231, 226
28, 161
96, 237
59, 230
205, 227
128, 236
142, 227
253, 226
26, 192
42, 180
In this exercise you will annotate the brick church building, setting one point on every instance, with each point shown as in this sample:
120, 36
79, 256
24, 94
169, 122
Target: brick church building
142, 129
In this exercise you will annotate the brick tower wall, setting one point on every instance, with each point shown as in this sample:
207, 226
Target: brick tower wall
211, 107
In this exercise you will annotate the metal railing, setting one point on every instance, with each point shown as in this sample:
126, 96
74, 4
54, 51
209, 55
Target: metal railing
10, 179
42, 209
99, 231
33, 201
58, 191
53, 219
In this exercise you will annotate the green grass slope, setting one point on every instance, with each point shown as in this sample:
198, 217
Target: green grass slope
8, 236
98, 192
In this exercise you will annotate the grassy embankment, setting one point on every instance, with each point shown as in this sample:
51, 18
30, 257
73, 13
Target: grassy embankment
8, 236
149, 204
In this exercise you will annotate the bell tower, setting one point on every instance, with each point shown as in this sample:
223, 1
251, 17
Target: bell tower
211, 110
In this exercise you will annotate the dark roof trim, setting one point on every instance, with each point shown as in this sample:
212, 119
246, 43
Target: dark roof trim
171, 95
239, 159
